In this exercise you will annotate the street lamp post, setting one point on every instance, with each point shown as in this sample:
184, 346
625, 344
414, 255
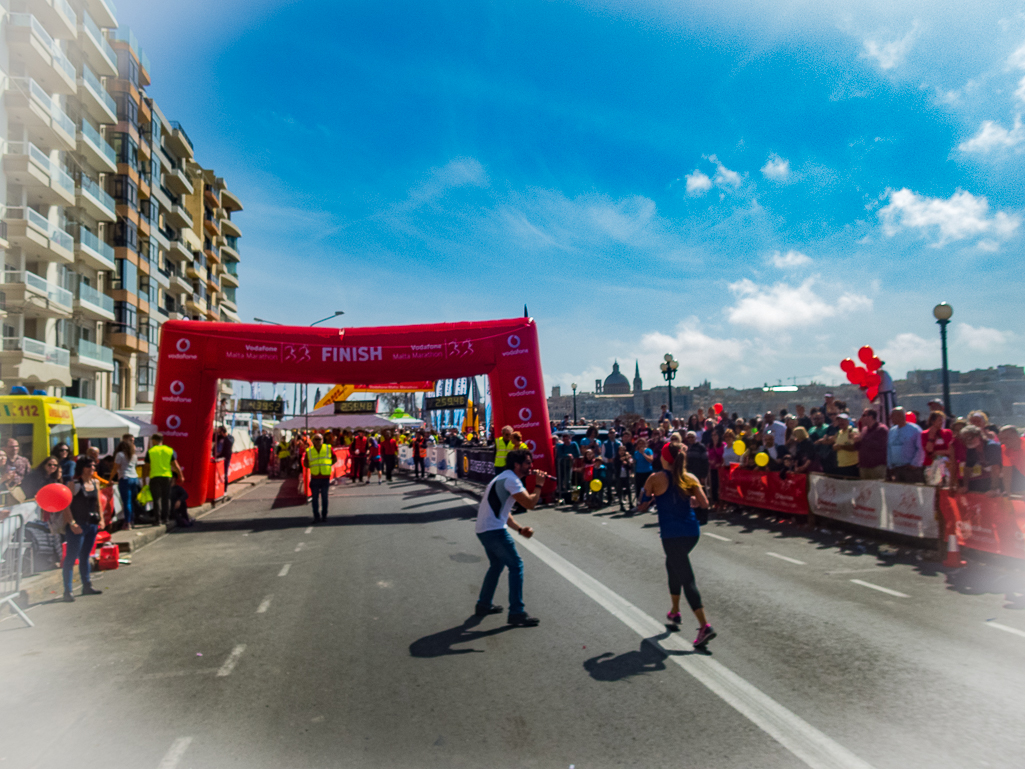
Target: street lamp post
574, 386
943, 312
669, 374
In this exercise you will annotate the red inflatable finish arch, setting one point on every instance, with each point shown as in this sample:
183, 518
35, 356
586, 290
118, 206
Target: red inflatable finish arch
193, 356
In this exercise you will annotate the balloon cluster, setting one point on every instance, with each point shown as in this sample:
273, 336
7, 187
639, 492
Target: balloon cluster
867, 377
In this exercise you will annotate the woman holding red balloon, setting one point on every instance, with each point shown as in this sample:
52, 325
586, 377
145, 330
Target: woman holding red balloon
83, 518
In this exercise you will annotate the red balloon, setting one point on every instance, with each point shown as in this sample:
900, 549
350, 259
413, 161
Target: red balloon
717, 408
872, 379
872, 393
847, 365
866, 354
53, 497
912, 417
857, 376
875, 364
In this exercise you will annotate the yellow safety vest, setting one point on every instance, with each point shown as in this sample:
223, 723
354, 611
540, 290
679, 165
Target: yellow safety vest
160, 461
320, 464
502, 447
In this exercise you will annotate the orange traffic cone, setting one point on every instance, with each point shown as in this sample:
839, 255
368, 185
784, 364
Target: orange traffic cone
953, 560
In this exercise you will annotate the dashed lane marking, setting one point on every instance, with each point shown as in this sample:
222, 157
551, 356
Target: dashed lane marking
787, 558
309, 530
284, 570
299, 546
1005, 628
881, 589
716, 536
788, 729
231, 662
264, 605
174, 754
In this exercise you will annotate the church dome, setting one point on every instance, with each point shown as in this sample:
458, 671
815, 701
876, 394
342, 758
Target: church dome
616, 383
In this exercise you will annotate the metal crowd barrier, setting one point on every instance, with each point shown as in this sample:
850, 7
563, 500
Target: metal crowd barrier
12, 554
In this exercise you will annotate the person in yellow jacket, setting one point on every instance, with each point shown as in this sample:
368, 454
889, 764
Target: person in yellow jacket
318, 459
503, 446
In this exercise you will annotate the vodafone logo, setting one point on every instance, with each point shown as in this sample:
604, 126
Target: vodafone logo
532, 446
173, 422
514, 341
183, 345
526, 414
520, 382
177, 386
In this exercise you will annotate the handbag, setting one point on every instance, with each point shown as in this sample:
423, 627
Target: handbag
145, 496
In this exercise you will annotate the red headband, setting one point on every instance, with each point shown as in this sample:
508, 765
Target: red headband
667, 455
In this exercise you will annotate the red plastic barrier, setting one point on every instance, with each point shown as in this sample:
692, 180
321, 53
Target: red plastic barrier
981, 522
242, 464
764, 490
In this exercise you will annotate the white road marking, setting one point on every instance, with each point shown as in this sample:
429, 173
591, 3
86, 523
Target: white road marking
175, 753
309, 530
231, 662
284, 570
716, 536
787, 558
1006, 629
788, 729
299, 546
886, 590
264, 605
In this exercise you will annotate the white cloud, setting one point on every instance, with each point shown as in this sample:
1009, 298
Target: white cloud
790, 260
1017, 59
698, 183
907, 352
890, 54
993, 136
781, 306
704, 355
724, 176
776, 168
959, 217
982, 339
460, 172
1020, 91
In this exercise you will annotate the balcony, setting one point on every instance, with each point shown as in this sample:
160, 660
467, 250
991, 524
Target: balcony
213, 283
96, 202
181, 283
103, 11
178, 181
37, 238
210, 225
126, 35
230, 201
44, 181
92, 304
212, 256
59, 16
211, 197
178, 141
230, 229
178, 217
35, 297
30, 360
29, 103
93, 251
94, 98
92, 356
229, 277
179, 251
95, 48
33, 46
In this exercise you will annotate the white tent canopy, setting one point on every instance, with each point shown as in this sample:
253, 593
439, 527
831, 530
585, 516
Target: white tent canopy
325, 418
97, 422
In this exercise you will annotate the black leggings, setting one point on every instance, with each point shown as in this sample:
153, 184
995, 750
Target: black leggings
678, 568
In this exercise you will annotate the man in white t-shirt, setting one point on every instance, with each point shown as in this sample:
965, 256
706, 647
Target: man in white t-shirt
493, 524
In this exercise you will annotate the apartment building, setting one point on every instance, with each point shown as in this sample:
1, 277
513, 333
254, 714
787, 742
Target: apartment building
110, 225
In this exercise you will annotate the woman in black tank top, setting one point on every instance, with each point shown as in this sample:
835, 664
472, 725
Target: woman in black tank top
83, 518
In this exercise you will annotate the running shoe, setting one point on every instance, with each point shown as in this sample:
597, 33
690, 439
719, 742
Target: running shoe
673, 617
523, 620
705, 635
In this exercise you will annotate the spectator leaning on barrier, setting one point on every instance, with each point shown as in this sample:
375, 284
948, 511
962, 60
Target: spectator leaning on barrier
845, 447
983, 465
1012, 453
17, 463
937, 442
872, 442
803, 420
610, 457
904, 452
778, 429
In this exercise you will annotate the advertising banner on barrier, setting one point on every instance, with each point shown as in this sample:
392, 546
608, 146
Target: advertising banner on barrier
764, 490
989, 524
476, 465
405, 457
898, 507
444, 461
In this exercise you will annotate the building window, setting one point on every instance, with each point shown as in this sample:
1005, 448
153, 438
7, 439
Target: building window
115, 386
127, 109
148, 330
126, 278
80, 388
126, 191
147, 376
148, 287
126, 149
127, 67
126, 318
126, 234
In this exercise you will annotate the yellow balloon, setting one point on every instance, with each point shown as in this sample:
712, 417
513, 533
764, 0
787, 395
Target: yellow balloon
761, 459
739, 447
595, 485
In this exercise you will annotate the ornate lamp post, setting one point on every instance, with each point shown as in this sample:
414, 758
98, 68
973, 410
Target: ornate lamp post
574, 386
669, 374
943, 312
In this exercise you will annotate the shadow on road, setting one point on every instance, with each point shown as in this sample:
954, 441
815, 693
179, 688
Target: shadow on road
440, 644
262, 524
649, 658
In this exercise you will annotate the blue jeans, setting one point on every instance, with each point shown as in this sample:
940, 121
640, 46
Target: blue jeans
79, 546
128, 488
319, 485
501, 550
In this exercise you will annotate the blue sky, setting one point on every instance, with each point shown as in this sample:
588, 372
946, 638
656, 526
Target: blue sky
758, 188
